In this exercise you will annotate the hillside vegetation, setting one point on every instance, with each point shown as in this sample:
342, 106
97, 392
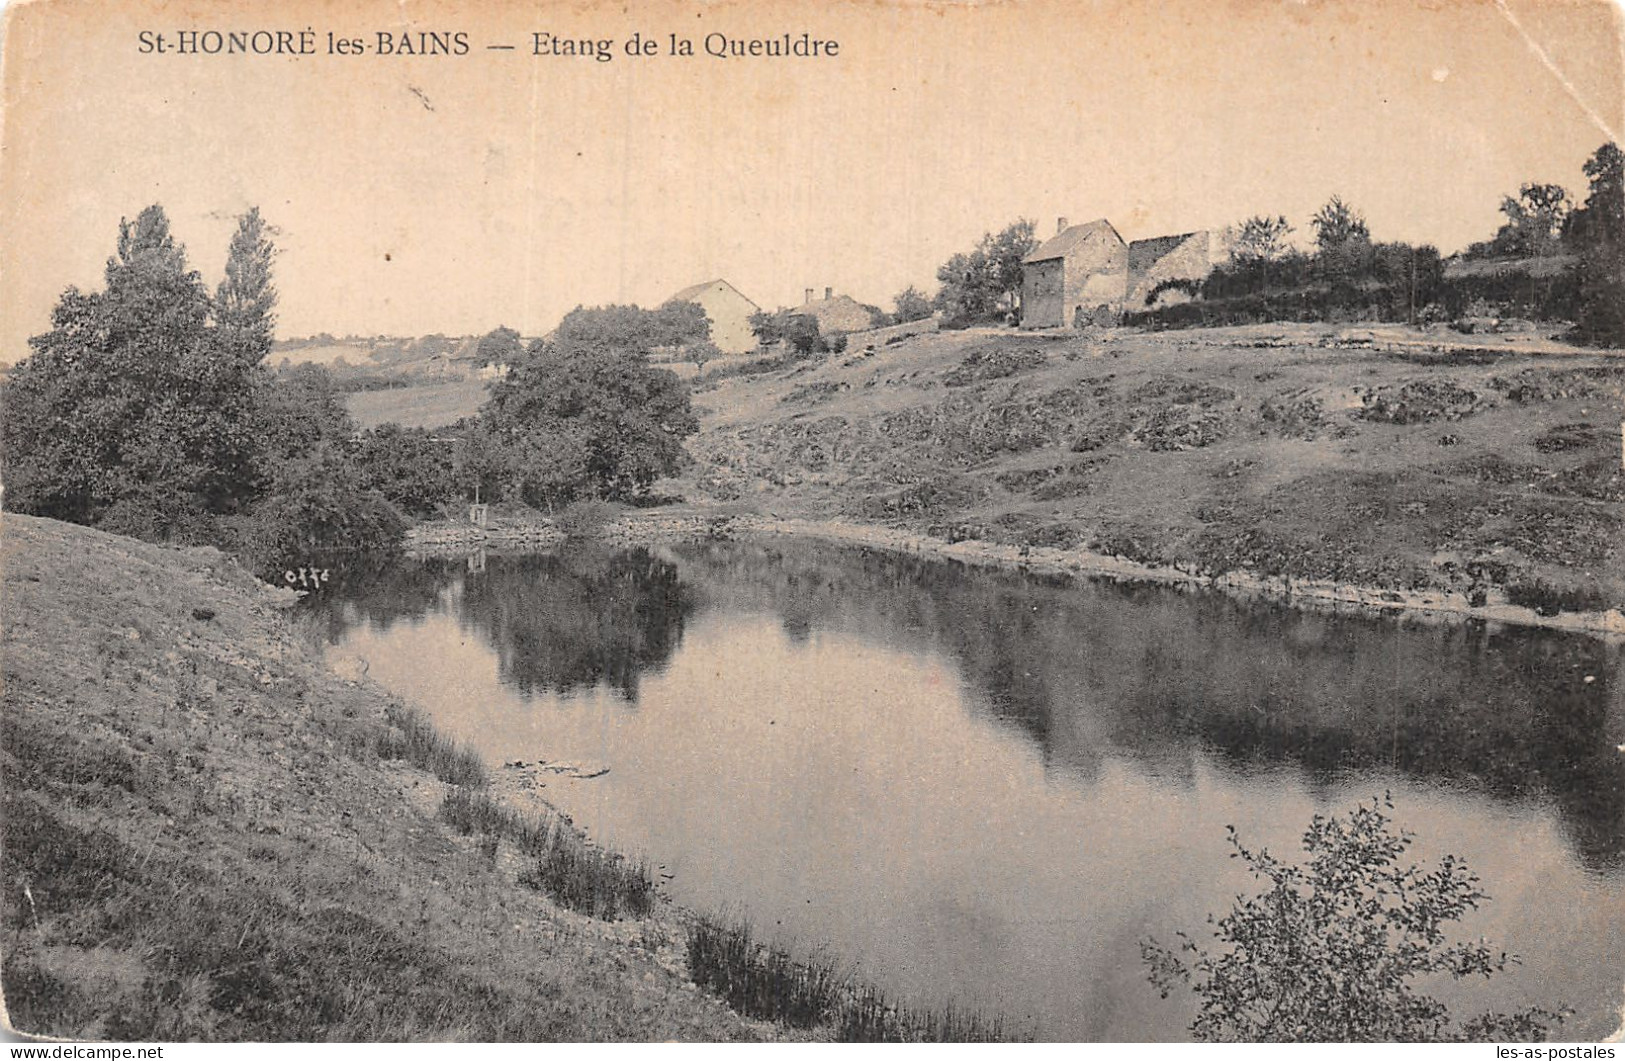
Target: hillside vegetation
210, 836
1398, 458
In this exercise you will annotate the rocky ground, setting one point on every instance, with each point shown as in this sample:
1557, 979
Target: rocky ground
210, 835
1483, 469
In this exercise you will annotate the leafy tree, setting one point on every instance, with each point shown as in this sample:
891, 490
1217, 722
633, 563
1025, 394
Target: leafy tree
1329, 951
987, 281
480, 466
318, 502
799, 330
133, 400
586, 415
1535, 220
1597, 232
1261, 238
499, 346
911, 305
632, 328
245, 302
409, 468
1337, 224
701, 352
297, 409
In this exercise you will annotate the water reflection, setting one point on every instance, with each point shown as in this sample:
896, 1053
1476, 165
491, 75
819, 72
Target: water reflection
1097, 670
560, 621
579, 618
988, 787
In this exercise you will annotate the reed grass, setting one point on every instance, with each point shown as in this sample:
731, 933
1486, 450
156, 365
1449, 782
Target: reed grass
420, 744
766, 982
758, 980
565, 864
866, 1016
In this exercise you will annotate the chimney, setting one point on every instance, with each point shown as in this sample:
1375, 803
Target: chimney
829, 293
808, 299
1060, 225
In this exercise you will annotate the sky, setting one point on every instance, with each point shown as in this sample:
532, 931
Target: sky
414, 194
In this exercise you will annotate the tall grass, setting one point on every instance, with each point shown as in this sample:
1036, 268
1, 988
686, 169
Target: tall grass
757, 980
420, 744
766, 982
566, 866
867, 1017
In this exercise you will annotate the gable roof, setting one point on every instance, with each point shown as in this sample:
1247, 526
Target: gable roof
1066, 242
688, 294
1144, 253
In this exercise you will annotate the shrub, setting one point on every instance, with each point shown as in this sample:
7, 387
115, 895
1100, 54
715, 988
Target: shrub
411, 471
1328, 952
317, 504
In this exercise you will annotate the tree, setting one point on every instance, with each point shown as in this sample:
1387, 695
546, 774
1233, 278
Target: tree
1328, 952
1337, 224
1597, 232
499, 346
1260, 238
633, 328
245, 302
986, 282
911, 305
702, 352
585, 415
798, 330
409, 467
132, 412
296, 410
1535, 221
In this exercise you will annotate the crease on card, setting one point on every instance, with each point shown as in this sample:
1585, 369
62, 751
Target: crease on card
1546, 60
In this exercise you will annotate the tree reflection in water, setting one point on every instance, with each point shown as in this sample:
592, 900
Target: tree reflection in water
1093, 670
1088, 671
579, 618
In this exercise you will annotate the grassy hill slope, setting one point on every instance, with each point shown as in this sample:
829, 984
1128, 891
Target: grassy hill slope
1389, 459
211, 836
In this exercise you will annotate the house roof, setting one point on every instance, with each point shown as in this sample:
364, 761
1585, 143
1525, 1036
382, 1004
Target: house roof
688, 294
841, 313
1144, 253
1070, 240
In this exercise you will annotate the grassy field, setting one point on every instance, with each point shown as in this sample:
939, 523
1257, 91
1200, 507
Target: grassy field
425, 405
1392, 458
210, 836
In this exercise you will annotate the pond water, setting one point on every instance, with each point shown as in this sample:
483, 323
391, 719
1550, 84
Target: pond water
987, 787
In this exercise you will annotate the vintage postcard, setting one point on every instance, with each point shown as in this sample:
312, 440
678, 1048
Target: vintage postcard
788, 521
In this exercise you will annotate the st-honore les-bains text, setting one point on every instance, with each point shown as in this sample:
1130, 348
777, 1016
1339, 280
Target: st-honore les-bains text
306, 41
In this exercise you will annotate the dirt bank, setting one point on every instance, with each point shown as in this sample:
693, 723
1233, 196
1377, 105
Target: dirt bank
210, 835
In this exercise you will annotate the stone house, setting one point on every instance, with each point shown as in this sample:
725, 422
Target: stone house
1080, 273
1189, 256
729, 313
835, 313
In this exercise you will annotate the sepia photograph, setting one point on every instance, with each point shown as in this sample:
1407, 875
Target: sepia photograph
772, 521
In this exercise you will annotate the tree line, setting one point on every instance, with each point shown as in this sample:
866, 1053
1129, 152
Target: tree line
1549, 260
147, 409
1346, 274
